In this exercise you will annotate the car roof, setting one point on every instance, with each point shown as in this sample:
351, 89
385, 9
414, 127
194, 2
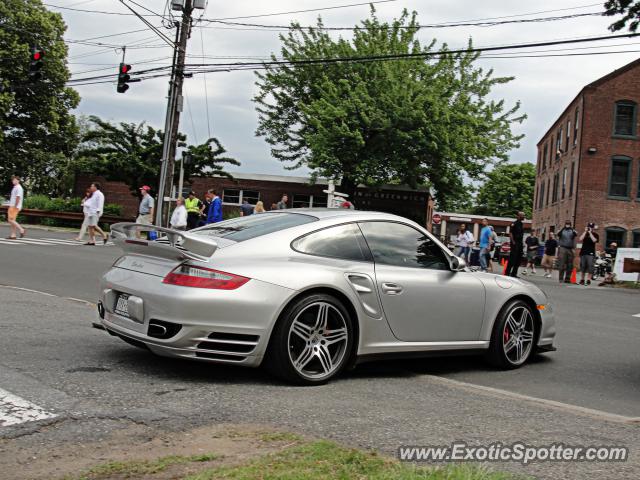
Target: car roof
334, 212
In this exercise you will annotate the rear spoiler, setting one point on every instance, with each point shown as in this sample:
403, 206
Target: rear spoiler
177, 245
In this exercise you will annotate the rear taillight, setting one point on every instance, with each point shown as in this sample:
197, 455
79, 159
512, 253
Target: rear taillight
199, 277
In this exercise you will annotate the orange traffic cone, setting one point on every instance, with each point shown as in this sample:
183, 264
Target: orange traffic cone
574, 278
504, 264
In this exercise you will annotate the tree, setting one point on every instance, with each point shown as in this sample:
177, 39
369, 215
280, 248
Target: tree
421, 120
131, 153
37, 131
508, 189
630, 9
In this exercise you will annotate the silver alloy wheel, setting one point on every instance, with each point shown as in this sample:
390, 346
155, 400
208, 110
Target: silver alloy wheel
317, 340
517, 335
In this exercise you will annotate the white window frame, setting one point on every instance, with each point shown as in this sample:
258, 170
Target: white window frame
241, 195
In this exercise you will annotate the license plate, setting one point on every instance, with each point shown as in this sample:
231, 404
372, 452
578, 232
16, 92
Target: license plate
122, 305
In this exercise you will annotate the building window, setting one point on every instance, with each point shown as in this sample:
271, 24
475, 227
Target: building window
625, 118
539, 160
556, 179
233, 196
614, 234
564, 182
548, 190
573, 171
568, 136
576, 124
558, 142
545, 155
636, 239
309, 201
619, 177
541, 197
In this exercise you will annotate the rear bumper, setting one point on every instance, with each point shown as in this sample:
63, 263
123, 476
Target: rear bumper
223, 326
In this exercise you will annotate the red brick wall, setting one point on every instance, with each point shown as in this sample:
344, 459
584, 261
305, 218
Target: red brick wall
114, 192
592, 204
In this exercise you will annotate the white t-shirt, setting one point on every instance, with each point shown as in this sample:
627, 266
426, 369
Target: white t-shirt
99, 200
179, 217
464, 239
16, 191
92, 204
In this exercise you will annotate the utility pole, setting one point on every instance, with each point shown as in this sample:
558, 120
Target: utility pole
174, 108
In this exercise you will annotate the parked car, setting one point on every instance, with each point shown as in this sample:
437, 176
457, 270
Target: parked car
310, 292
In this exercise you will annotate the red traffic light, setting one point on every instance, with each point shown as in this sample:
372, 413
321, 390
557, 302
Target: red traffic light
124, 68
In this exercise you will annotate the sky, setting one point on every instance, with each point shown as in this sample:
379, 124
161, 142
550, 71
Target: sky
544, 86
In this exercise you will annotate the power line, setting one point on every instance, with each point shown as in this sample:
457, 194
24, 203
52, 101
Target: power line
419, 27
152, 27
206, 93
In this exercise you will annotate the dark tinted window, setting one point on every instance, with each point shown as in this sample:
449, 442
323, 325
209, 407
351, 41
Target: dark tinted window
403, 246
245, 228
343, 241
619, 179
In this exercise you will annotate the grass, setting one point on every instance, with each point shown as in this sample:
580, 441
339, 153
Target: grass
139, 468
633, 285
323, 460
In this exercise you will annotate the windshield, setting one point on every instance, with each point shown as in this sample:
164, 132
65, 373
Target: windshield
252, 226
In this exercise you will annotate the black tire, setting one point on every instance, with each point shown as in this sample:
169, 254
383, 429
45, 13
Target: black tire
278, 359
497, 356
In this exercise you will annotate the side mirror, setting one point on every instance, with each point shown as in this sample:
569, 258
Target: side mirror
458, 264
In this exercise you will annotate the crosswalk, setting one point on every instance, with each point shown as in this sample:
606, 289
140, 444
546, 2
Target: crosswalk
50, 242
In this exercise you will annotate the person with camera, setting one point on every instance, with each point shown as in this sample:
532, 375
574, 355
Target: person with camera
589, 239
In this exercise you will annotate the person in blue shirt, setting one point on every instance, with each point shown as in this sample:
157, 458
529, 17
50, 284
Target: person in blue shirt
215, 209
485, 245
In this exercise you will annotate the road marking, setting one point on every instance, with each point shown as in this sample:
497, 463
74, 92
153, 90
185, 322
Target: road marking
8, 242
15, 410
79, 300
575, 409
636, 315
49, 241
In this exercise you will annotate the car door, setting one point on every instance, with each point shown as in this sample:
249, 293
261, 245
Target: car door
422, 299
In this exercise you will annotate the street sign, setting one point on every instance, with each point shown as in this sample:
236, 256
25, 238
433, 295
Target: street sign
437, 218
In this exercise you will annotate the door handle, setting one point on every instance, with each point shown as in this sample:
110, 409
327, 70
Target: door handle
391, 288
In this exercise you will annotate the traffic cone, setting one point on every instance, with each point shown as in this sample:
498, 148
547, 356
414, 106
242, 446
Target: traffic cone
574, 278
504, 264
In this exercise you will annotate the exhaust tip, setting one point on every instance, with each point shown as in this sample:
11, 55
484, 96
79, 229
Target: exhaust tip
162, 329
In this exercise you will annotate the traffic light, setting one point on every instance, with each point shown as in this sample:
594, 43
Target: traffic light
35, 64
123, 77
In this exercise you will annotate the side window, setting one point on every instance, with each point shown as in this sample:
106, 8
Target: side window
403, 246
343, 241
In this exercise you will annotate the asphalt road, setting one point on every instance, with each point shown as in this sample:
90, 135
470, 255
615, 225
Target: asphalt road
52, 357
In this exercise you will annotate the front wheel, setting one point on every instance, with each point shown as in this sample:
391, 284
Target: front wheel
311, 342
513, 336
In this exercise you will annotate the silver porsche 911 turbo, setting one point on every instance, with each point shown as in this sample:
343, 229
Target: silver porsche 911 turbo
310, 292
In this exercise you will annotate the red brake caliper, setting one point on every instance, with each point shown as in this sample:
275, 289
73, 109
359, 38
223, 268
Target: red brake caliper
505, 335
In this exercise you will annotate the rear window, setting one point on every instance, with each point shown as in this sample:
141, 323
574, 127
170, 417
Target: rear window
252, 226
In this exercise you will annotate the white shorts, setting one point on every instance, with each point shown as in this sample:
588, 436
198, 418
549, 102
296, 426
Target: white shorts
144, 219
92, 220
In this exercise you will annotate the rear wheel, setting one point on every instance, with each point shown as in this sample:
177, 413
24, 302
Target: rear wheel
311, 342
513, 336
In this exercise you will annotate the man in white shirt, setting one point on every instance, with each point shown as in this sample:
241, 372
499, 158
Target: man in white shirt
179, 217
15, 205
94, 206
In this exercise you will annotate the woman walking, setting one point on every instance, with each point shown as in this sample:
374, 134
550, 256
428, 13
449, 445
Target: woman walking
85, 222
259, 208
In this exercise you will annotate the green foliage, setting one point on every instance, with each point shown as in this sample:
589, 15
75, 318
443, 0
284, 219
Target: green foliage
411, 121
630, 11
131, 153
43, 202
507, 190
37, 131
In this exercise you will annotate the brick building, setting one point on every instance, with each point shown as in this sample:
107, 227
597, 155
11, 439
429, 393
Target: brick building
415, 204
588, 167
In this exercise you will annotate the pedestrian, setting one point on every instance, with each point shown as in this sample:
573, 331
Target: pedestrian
259, 207
612, 251
15, 205
549, 257
464, 240
145, 210
85, 211
194, 210
282, 204
494, 241
532, 244
208, 197
179, 216
94, 205
485, 245
246, 208
215, 210
589, 239
516, 234
566, 251
96, 190
274, 206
